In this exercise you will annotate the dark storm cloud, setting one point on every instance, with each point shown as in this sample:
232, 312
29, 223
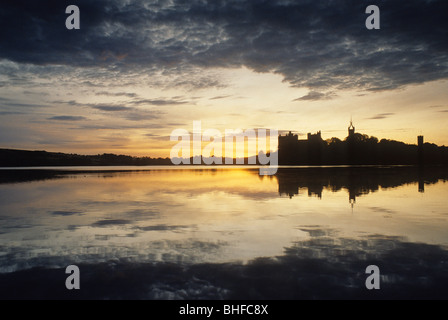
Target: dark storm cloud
314, 44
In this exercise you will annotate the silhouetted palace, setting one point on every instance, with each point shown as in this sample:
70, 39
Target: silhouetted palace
356, 149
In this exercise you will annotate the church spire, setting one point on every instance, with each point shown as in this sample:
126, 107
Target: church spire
351, 128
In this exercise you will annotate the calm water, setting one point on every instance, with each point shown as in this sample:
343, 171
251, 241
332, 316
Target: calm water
224, 233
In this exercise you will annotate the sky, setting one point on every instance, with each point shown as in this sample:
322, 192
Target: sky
137, 70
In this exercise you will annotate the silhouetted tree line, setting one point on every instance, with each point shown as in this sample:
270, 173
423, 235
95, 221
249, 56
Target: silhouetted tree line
361, 149
23, 158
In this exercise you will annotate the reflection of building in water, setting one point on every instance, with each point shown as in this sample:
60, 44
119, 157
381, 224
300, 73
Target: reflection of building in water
288, 188
421, 186
356, 181
315, 191
421, 181
292, 188
351, 197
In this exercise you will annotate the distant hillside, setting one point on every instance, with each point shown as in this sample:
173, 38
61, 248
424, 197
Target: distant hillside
24, 158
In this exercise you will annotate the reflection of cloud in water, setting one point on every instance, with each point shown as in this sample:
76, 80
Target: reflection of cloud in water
186, 251
317, 231
142, 214
319, 268
161, 227
383, 210
168, 235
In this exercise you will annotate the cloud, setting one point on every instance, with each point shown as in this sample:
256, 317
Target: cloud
119, 126
158, 102
381, 116
129, 113
116, 110
109, 108
313, 44
27, 92
65, 213
220, 97
117, 94
5, 113
315, 96
141, 115
157, 137
8, 103
67, 118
